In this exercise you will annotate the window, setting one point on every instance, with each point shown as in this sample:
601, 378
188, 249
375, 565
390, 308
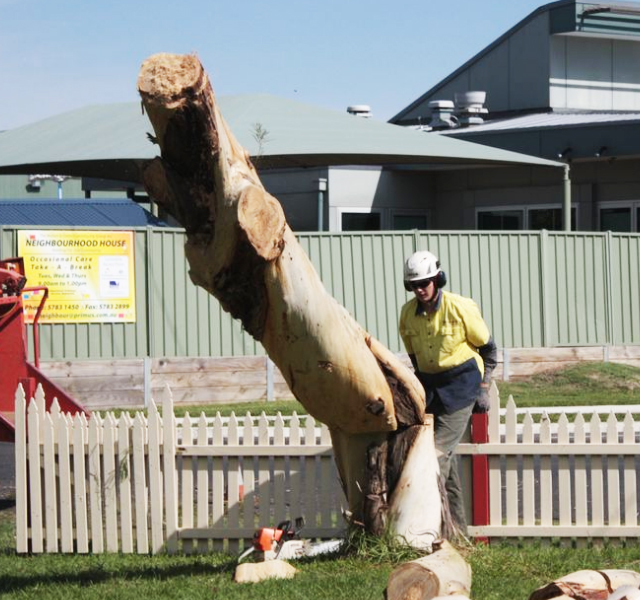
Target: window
405, 221
517, 218
360, 221
500, 219
549, 218
616, 218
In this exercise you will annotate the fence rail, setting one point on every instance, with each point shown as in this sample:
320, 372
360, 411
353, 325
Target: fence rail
147, 483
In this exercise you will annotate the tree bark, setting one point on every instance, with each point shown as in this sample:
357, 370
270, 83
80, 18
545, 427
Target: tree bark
587, 584
240, 249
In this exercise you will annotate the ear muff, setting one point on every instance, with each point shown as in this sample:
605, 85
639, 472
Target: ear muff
441, 279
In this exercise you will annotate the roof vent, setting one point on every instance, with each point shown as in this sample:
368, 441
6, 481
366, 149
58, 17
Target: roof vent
470, 107
360, 110
442, 115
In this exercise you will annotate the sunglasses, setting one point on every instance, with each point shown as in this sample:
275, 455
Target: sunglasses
423, 283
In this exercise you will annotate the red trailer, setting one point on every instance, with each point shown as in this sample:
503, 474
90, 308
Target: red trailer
15, 367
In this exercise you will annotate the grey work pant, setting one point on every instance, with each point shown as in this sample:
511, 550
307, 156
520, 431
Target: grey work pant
449, 429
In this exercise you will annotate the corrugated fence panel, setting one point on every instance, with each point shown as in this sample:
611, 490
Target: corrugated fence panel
500, 271
185, 319
363, 272
625, 288
535, 289
575, 275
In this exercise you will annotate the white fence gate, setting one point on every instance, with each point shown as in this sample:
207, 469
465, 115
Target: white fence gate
146, 484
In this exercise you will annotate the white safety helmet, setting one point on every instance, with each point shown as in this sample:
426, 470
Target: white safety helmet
423, 265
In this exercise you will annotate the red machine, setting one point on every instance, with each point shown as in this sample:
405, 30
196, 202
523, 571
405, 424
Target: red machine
15, 367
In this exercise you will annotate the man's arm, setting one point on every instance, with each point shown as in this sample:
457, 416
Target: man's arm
489, 355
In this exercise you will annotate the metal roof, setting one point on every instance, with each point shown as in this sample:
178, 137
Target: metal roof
549, 120
110, 141
77, 213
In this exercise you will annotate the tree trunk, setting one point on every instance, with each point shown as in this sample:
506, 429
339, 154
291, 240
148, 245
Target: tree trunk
242, 251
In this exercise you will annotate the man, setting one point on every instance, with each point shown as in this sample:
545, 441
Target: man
453, 354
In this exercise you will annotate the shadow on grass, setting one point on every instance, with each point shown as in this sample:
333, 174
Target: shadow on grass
99, 573
7, 503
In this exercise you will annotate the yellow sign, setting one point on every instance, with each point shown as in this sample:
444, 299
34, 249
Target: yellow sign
89, 274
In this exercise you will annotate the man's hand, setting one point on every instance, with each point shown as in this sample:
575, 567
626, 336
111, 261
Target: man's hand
483, 402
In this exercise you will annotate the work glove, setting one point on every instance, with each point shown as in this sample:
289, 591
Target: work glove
482, 403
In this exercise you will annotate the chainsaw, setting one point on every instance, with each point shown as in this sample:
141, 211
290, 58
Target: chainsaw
283, 542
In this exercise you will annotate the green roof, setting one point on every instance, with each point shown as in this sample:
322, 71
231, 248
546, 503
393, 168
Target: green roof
111, 141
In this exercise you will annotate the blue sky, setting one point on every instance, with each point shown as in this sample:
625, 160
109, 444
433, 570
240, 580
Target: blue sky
58, 55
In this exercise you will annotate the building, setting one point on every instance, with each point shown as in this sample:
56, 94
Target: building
331, 171
562, 84
559, 91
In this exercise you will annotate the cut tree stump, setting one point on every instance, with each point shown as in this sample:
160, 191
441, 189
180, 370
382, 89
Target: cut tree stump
442, 573
269, 569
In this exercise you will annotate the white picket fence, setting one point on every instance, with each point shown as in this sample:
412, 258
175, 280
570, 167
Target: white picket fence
125, 484
551, 477
145, 484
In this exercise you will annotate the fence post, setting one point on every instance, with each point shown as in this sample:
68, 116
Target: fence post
480, 472
480, 463
610, 331
543, 289
506, 364
270, 380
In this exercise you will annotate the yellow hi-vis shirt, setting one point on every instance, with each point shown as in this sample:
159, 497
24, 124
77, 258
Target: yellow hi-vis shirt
446, 337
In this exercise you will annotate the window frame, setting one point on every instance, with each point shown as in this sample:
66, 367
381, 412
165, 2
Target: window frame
361, 210
408, 212
525, 209
506, 208
632, 205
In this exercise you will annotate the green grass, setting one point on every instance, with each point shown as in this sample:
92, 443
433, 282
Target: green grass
585, 384
500, 572
284, 407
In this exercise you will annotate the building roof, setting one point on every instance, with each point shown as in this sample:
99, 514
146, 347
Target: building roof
550, 119
111, 141
595, 18
77, 213
575, 136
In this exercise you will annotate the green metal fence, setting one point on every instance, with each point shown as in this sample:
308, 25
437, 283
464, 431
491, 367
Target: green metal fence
536, 289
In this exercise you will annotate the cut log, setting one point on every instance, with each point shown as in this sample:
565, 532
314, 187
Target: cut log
587, 584
269, 569
442, 573
241, 250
